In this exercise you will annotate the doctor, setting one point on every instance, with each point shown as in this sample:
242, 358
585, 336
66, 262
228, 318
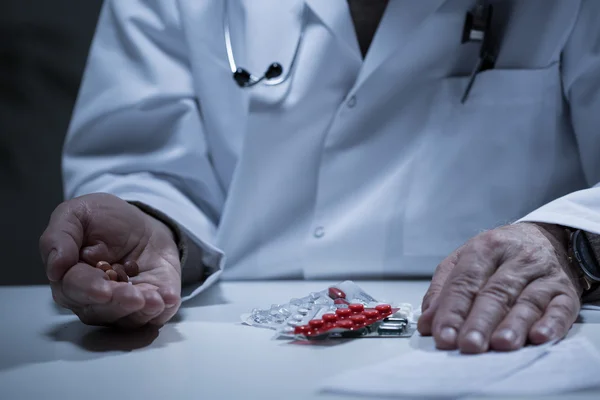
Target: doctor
366, 152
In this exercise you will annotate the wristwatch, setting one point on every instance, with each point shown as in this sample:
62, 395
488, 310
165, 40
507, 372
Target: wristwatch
581, 253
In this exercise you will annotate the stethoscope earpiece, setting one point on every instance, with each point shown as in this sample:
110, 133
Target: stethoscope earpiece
241, 77
273, 75
244, 79
274, 71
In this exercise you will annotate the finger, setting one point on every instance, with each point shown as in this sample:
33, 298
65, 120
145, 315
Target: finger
490, 306
153, 307
172, 298
474, 266
126, 299
61, 241
166, 279
84, 285
511, 333
558, 318
428, 305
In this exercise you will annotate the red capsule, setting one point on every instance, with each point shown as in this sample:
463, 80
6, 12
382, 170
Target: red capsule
311, 332
329, 317
316, 323
336, 293
384, 308
356, 308
344, 324
358, 319
327, 326
343, 312
341, 301
301, 330
371, 314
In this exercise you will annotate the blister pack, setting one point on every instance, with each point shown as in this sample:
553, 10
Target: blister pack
340, 311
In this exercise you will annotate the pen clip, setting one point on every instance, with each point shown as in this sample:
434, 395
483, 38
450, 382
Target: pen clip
477, 29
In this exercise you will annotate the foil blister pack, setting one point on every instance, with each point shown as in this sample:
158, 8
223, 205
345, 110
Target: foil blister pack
340, 311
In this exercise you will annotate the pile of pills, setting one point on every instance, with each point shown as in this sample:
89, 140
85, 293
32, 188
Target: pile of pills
118, 272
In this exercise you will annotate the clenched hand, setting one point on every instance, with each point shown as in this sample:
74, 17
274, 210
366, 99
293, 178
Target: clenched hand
99, 227
501, 289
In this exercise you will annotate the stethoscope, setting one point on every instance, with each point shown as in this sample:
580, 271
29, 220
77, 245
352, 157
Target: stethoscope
274, 74
476, 29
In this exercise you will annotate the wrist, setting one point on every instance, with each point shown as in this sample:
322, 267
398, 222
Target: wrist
560, 238
166, 224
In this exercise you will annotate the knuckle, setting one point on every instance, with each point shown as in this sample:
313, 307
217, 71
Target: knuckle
524, 317
561, 322
491, 239
466, 282
565, 308
534, 303
427, 299
530, 256
502, 293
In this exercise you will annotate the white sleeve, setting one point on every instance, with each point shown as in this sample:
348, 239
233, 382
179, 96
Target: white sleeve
136, 130
581, 82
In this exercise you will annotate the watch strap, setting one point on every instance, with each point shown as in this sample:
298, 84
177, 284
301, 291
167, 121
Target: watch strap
584, 260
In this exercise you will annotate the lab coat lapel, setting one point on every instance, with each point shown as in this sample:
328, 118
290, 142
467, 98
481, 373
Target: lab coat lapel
399, 24
335, 15
271, 31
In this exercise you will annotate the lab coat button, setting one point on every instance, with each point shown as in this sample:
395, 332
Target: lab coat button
351, 102
319, 232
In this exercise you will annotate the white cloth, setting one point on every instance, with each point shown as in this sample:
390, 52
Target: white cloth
535, 370
348, 168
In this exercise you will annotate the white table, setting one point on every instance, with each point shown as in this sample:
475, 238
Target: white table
206, 354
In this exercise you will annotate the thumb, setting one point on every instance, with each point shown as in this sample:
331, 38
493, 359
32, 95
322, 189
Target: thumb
429, 303
62, 240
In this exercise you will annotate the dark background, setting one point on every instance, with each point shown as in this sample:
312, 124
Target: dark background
43, 50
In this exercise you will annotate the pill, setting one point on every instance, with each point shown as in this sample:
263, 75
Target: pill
303, 310
118, 268
356, 307
343, 312
103, 265
316, 323
112, 275
329, 317
301, 330
344, 324
327, 326
384, 308
358, 319
131, 268
336, 293
293, 323
311, 332
340, 301
371, 314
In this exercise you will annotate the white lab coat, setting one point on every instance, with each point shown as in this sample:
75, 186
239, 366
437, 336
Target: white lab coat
349, 168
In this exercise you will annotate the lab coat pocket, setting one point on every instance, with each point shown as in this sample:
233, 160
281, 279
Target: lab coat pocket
475, 165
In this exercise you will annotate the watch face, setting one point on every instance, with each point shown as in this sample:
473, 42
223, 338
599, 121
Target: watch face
585, 255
